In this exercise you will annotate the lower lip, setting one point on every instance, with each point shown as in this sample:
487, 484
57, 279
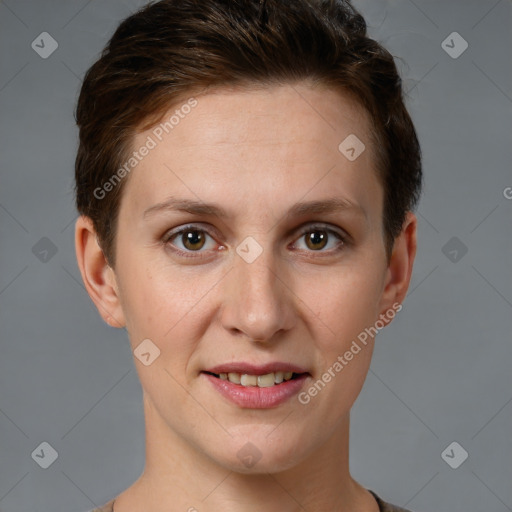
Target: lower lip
254, 397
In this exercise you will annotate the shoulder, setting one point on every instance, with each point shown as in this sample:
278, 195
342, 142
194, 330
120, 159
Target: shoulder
108, 507
387, 507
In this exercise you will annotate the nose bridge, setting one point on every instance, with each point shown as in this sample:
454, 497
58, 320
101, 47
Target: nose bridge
259, 305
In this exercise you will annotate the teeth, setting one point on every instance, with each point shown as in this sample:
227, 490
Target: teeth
266, 381
234, 378
262, 381
249, 380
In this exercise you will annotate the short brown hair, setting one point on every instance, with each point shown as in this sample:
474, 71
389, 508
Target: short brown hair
171, 48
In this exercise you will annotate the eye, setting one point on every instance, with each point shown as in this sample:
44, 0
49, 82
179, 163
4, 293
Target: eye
189, 239
318, 237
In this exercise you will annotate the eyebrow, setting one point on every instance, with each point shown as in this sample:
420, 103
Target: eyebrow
325, 206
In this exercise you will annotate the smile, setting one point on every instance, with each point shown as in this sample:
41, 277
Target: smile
257, 391
262, 381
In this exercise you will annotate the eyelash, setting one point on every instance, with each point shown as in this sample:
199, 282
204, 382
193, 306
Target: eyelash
343, 240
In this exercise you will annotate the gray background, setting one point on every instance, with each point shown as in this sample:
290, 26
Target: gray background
441, 371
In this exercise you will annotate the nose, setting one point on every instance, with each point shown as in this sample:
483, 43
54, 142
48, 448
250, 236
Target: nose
258, 299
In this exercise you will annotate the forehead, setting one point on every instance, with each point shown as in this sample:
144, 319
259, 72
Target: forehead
257, 144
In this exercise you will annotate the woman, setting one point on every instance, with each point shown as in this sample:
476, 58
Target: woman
246, 178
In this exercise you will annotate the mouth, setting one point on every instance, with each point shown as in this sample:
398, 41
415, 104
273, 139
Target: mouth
261, 386
267, 380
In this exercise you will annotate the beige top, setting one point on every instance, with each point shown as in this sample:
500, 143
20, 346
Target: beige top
383, 506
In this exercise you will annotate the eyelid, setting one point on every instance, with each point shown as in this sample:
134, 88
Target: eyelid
195, 226
323, 226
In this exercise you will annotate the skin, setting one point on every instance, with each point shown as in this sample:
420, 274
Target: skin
255, 153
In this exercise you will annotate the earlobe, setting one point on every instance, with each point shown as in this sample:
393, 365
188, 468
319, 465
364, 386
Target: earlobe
98, 277
400, 267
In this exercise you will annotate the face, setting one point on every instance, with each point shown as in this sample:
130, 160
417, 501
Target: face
283, 270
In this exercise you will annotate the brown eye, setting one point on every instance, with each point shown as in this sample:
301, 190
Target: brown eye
193, 239
316, 239
189, 241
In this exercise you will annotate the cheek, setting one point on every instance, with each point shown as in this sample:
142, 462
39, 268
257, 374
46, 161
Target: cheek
342, 306
344, 302
165, 304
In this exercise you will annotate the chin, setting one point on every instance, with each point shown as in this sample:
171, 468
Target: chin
260, 454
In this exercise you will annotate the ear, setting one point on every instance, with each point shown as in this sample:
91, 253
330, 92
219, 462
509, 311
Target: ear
399, 270
98, 277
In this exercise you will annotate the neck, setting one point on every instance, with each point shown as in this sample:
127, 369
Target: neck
177, 477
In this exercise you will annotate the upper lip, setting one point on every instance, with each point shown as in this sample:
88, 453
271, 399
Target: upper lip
256, 369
